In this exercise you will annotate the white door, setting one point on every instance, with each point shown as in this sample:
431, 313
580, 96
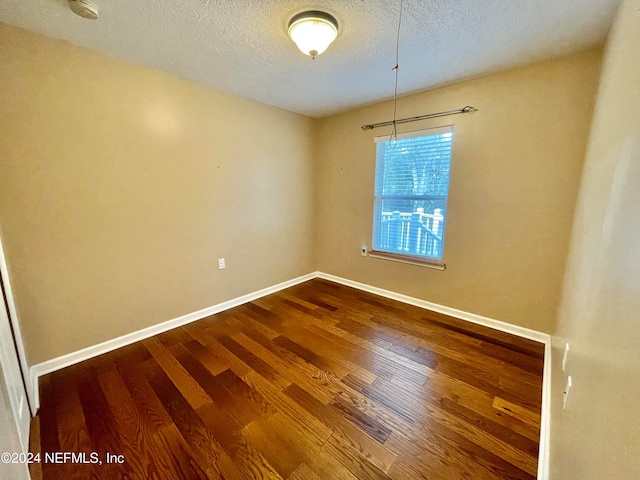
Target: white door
13, 379
12, 388
10, 440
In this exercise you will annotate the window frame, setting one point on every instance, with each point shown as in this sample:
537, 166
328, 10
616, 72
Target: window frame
399, 256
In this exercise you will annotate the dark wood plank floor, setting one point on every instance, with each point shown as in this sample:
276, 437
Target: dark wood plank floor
319, 381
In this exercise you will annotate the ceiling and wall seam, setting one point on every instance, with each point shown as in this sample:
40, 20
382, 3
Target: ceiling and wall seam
246, 51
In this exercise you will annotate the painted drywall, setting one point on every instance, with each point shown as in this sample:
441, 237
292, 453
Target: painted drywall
121, 186
597, 436
516, 166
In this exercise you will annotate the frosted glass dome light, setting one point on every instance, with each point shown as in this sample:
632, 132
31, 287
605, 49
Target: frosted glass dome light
313, 31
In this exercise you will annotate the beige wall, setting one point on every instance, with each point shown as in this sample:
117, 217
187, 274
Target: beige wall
598, 435
515, 171
120, 187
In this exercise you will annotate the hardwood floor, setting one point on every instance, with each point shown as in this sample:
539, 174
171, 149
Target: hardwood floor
319, 381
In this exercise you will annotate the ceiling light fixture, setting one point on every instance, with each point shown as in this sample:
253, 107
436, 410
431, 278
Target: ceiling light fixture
313, 31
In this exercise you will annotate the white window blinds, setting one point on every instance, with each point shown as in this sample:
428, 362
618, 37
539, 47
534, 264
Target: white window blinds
411, 188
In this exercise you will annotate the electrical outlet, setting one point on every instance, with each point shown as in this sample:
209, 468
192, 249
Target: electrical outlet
221, 264
364, 251
565, 394
564, 357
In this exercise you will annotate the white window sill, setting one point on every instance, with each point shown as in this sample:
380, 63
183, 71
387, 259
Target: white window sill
410, 259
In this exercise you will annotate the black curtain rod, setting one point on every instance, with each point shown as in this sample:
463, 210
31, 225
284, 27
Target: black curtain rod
466, 109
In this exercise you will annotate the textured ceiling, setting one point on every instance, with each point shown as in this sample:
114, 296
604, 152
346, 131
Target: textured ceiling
241, 46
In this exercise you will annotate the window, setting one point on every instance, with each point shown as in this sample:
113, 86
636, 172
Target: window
411, 187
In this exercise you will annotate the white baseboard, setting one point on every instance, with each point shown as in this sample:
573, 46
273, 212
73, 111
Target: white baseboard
75, 357
469, 317
545, 415
40, 369
543, 454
